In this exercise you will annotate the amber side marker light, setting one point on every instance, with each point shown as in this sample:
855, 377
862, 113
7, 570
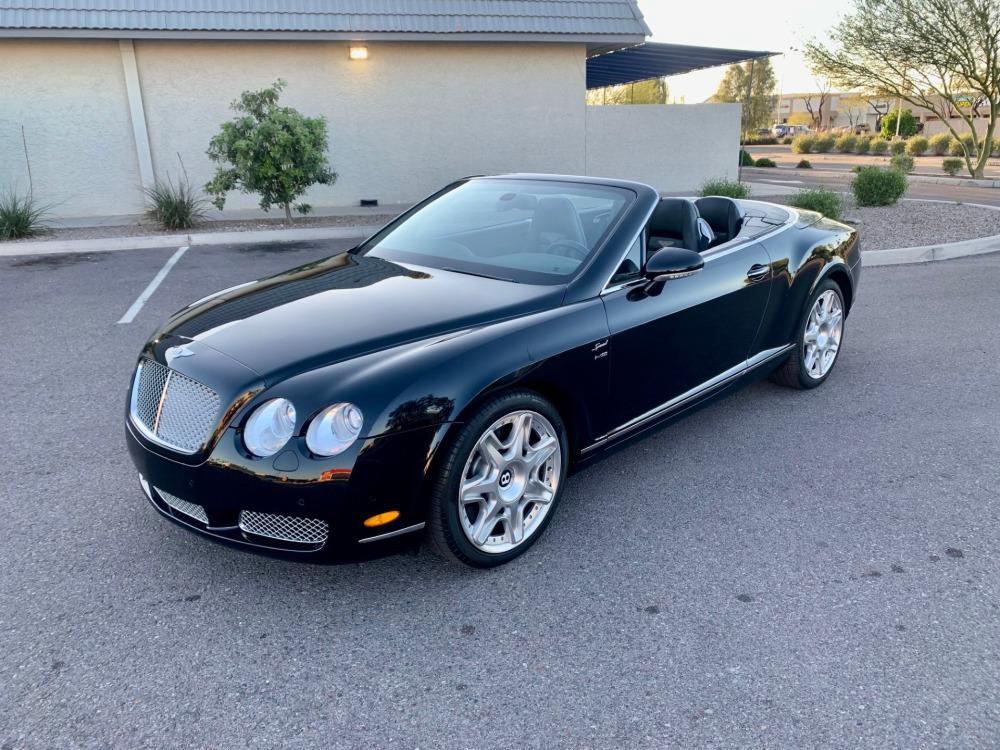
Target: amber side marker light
382, 519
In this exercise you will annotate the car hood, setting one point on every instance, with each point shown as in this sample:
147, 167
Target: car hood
345, 306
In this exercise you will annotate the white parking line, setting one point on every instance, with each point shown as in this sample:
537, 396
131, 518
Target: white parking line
130, 314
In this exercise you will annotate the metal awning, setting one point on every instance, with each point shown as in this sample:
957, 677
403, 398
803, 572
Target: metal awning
654, 60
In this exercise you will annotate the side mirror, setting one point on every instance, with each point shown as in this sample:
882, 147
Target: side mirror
672, 263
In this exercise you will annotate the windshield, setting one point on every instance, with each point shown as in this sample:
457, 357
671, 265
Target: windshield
529, 231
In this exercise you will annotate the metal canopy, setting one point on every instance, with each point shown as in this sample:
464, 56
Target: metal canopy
654, 60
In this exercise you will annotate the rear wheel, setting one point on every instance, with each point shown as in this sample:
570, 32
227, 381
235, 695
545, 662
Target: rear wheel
818, 340
499, 482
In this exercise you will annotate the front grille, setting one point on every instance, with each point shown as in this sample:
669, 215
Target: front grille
173, 409
284, 528
183, 506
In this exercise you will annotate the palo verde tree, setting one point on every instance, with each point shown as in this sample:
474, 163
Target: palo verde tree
930, 53
756, 96
276, 152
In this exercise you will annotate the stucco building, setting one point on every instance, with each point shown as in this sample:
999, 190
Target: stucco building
105, 97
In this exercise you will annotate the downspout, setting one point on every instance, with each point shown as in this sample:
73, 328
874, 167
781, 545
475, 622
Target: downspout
137, 113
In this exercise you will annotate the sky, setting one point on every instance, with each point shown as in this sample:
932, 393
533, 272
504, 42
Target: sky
739, 24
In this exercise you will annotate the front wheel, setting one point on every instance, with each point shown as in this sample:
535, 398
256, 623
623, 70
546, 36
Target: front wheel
818, 339
499, 482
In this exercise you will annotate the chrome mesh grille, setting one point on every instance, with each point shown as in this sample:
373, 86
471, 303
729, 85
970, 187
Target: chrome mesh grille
175, 410
284, 528
183, 506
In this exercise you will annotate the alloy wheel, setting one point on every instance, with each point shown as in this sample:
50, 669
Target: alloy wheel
509, 481
824, 329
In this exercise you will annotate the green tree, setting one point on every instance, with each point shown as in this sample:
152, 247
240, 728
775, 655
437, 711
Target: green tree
907, 124
653, 91
929, 53
271, 150
756, 96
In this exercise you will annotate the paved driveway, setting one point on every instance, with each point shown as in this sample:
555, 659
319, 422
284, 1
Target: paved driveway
781, 570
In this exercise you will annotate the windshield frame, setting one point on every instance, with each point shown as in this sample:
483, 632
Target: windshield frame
512, 275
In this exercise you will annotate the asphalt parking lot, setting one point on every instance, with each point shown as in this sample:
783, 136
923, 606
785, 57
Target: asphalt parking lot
781, 570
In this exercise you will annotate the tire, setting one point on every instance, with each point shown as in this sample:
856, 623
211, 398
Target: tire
513, 484
799, 370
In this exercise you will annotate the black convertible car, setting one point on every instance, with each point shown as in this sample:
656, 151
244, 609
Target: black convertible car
451, 370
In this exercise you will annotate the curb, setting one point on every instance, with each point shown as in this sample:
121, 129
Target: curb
928, 179
929, 253
49, 247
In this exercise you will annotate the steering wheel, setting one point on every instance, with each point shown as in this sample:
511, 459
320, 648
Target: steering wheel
569, 249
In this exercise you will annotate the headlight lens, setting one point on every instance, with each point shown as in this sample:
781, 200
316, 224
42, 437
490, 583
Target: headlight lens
269, 427
334, 429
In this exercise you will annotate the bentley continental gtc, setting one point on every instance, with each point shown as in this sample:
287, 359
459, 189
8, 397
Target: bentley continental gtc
441, 379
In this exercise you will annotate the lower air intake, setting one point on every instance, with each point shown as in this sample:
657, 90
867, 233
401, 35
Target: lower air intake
284, 528
191, 510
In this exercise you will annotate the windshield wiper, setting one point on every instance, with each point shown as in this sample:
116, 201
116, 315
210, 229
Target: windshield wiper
481, 275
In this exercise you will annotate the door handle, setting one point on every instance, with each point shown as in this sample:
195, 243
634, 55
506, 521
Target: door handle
758, 272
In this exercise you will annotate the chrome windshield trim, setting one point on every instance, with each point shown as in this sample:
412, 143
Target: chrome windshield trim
678, 401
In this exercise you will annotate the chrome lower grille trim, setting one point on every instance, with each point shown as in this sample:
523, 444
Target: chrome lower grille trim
172, 409
284, 528
191, 510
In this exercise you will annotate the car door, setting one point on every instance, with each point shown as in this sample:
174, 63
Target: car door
698, 327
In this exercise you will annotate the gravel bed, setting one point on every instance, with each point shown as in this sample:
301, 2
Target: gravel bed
916, 223
246, 225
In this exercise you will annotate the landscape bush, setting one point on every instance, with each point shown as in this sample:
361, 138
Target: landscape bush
847, 144
20, 215
824, 143
804, 164
750, 139
745, 159
175, 206
964, 140
907, 124
725, 188
917, 146
879, 146
902, 163
897, 147
874, 186
765, 162
821, 200
940, 144
803, 144
787, 140
864, 144
953, 165
996, 147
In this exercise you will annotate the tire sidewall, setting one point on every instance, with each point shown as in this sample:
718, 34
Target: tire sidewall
447, 505
807, 380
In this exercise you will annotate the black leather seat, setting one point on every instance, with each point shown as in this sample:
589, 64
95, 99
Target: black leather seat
724, 215
674, 223
555, 219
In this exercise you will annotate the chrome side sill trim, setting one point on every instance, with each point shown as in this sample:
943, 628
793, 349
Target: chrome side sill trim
390, 534
718, 381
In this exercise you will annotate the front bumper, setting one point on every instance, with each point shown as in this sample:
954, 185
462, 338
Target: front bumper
378, 475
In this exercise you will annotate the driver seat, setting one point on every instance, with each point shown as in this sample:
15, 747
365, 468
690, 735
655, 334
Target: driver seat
555, 218
674, 223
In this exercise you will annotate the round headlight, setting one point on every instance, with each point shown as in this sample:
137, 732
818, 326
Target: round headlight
269, 427
334, 429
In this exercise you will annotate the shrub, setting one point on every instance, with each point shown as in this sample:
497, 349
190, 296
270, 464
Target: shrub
20, 216
271, 150
847, 143
824, 201
804, 164
803, 144
175, 206
902, 163
751, 139
765, 162
864, 144
996, 147
788, 139
879, 146
940, 144
953, 166
745, 159
964, 140
824, 143
917, 146
856, 168
878, 187
897, 147
726, 188
907, 124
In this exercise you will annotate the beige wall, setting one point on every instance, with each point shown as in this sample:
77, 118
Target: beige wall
408, 120
70, 98
674, 147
